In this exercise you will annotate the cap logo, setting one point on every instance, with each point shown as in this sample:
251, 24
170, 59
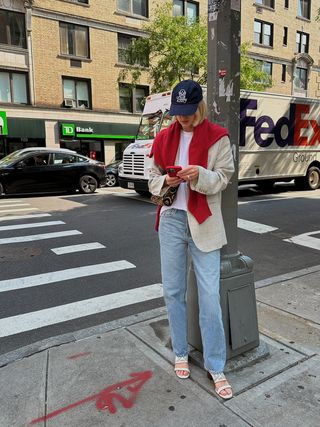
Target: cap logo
181, 98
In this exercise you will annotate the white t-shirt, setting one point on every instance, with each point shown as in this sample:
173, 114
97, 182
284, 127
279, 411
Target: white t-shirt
181, 200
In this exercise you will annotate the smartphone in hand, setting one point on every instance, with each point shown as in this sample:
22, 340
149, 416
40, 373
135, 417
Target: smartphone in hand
172, 170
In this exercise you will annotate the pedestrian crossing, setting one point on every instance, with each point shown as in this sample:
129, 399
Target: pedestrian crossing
30, 321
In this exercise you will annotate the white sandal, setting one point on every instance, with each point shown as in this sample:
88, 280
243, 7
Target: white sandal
218, 377
179, 360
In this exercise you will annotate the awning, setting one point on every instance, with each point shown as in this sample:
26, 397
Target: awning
26, 128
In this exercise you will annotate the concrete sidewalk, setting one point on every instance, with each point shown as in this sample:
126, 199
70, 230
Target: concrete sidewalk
124, 376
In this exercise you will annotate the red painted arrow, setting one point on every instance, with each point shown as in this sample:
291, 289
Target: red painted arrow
105, 398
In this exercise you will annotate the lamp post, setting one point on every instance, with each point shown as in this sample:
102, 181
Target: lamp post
237, 290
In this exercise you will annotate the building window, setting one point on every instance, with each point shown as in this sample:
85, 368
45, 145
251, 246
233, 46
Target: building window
285, 36
74, 40
300, 80
302, 42
13, 87
286, 4
124, 43
132, 98
134, 7
263, 33
76, 93
265, 66
190, 9
12, 28
283, 73
304, 8
268, 3
82, 1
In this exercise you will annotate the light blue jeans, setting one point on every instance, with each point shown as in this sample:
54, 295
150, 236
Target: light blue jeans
175, 243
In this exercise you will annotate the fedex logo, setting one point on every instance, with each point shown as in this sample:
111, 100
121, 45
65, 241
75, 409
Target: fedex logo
289, 130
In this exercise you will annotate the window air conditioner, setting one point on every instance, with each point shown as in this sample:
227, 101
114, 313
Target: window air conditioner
69, 102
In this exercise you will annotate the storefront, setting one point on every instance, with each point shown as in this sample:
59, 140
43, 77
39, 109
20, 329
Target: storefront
101, 141
17, 133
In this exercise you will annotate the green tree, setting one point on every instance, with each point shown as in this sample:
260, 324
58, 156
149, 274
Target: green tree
176, 48
252, 77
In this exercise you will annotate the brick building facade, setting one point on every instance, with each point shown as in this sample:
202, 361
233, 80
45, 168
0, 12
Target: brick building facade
60, 61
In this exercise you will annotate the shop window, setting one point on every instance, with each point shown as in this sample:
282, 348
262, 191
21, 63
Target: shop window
263, 33
74, 40
124, 43
190, 9
304, 8
302, 42
76, 93
12, 28
132, 98
268, 3
300, 80
13, 87
134, 7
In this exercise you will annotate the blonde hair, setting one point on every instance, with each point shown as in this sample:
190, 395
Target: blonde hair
200, 114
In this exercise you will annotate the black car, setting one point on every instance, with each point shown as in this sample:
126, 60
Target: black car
43, 170
111, 172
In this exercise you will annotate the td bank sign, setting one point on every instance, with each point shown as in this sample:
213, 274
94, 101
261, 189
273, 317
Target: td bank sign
70, 129
3, 123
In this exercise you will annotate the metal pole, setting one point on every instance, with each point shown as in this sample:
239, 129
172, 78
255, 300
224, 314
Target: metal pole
237, 291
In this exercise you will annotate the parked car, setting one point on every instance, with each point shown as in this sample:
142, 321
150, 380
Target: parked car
46, 170
111, 171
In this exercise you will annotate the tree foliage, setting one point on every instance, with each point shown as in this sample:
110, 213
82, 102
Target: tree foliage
174, 49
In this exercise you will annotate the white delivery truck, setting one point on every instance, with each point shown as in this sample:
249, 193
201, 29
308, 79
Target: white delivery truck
279, 140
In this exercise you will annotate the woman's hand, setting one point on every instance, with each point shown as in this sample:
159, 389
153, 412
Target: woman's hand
189, 173
173, 181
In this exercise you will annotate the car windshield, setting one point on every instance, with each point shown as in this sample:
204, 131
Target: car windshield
12, 156
151, 124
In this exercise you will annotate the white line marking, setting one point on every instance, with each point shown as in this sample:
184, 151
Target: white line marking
306, 240
61, 275
18, 210
34, 237
255, 227
50, 316
77, 248
13, 217
31, 225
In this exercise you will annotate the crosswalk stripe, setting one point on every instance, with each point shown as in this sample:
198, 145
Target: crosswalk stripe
77, 248
18, 210
61, 275
255, 227
33, 237
30, 225
50, 316
306, 239
14, 217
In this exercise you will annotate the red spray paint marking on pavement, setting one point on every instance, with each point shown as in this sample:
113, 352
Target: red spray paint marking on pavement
104, 399
76, 356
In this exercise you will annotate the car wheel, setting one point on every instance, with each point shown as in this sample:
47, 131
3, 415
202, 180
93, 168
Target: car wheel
87, 184
111, 180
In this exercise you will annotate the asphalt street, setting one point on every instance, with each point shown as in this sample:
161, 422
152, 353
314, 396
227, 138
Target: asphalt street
89, 260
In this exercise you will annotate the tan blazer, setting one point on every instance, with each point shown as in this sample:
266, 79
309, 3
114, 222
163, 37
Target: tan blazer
209, 235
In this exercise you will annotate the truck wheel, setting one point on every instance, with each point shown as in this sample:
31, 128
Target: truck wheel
311, 181
87, 184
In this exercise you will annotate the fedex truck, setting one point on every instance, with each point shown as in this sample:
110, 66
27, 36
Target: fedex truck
279, 140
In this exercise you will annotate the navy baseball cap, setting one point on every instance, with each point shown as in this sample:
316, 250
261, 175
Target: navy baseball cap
185, 98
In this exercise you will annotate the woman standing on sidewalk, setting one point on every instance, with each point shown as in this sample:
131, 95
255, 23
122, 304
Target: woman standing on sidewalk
193, 223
